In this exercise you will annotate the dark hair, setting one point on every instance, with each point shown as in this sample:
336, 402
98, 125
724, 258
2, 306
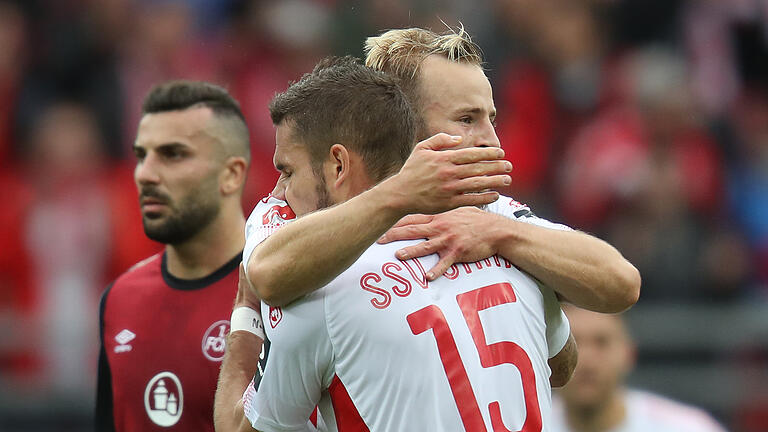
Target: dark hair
341, 101
182, 94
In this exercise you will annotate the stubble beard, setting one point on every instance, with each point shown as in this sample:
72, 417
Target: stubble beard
191, 216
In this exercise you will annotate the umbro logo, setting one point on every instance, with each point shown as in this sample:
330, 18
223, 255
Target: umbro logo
122, 339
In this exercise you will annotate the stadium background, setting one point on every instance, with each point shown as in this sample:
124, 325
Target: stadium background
642, 121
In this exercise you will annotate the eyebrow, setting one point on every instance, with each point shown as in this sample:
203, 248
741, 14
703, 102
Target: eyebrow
171, 144
474, 110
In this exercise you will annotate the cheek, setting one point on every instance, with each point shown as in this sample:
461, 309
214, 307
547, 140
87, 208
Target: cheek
299, 195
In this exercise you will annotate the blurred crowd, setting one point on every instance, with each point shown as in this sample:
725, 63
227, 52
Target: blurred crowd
644, 122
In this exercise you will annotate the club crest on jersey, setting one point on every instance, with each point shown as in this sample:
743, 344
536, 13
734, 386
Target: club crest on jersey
275, 315
281, 213
215, 340
164, 399
122, 339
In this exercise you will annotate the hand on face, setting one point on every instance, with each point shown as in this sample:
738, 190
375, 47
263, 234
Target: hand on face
437, 177
456, 236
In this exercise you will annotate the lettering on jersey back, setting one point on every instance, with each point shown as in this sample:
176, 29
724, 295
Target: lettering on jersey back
400, 277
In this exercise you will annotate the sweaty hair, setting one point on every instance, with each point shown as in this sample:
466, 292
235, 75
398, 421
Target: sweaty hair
180, 95
400, 53
343, 102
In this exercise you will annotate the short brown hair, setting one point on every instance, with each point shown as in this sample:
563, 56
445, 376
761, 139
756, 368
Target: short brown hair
341, 101
180, 95
400, 53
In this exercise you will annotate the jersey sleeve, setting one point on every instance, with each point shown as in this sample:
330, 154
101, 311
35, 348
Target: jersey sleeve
508, 207
558, 327
266, 218
299, 368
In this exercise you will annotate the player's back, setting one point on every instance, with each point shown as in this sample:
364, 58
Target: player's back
465, 352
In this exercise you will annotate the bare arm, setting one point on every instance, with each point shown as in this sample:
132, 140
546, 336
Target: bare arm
563, 364
580, 268
308, 253
240, 364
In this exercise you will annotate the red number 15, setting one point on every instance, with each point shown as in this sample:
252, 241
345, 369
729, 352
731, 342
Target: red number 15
471, 303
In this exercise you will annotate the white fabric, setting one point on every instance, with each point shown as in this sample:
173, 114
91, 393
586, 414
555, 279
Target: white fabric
268, 215
650, 412
393, 373
512, 209
246, 319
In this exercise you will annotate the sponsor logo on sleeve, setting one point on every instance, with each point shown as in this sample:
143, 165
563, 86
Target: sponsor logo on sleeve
164, 399
122, 339
215, 340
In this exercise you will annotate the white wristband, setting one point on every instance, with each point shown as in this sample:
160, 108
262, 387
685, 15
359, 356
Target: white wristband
246, 319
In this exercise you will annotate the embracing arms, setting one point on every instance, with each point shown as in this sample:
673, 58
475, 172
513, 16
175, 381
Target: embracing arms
308, 253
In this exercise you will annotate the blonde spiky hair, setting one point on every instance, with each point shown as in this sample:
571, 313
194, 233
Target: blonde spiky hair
400, 52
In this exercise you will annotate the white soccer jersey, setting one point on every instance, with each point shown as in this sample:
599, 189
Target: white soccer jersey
650, 412
380, 348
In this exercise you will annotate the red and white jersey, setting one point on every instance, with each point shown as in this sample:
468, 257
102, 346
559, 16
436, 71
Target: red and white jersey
381, 348
650, 412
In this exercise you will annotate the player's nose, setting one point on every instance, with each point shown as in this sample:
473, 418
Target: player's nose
487, 136
146, 172
279, 190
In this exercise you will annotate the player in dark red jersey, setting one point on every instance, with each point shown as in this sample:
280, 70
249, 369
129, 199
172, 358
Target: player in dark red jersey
164, 321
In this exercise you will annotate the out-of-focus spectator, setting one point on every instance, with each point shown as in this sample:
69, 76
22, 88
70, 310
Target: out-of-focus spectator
748, 177
597, 400
12, 61
649, 171
66, 219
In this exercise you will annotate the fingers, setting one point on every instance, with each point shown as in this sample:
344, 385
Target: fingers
441, 267
480, 184
414, 219
476, 199
410, 232
424, 248
476, 154
440, 141
483, 169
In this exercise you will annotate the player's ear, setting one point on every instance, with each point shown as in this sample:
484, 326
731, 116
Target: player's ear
339, 164
232, 175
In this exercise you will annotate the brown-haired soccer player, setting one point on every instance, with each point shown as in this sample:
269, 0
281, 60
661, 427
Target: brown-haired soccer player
381, 347
164, 321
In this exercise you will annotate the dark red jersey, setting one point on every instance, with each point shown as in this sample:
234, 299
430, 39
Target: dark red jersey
162, 342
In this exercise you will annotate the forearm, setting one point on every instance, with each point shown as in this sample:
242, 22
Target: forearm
240, 364
563, 364
581, 269
309, 252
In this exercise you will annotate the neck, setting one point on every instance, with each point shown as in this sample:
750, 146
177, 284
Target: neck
598, 418
209, 249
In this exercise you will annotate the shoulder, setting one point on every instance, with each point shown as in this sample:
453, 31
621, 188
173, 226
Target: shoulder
143, 267
141, 272
509, 207
666, 413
